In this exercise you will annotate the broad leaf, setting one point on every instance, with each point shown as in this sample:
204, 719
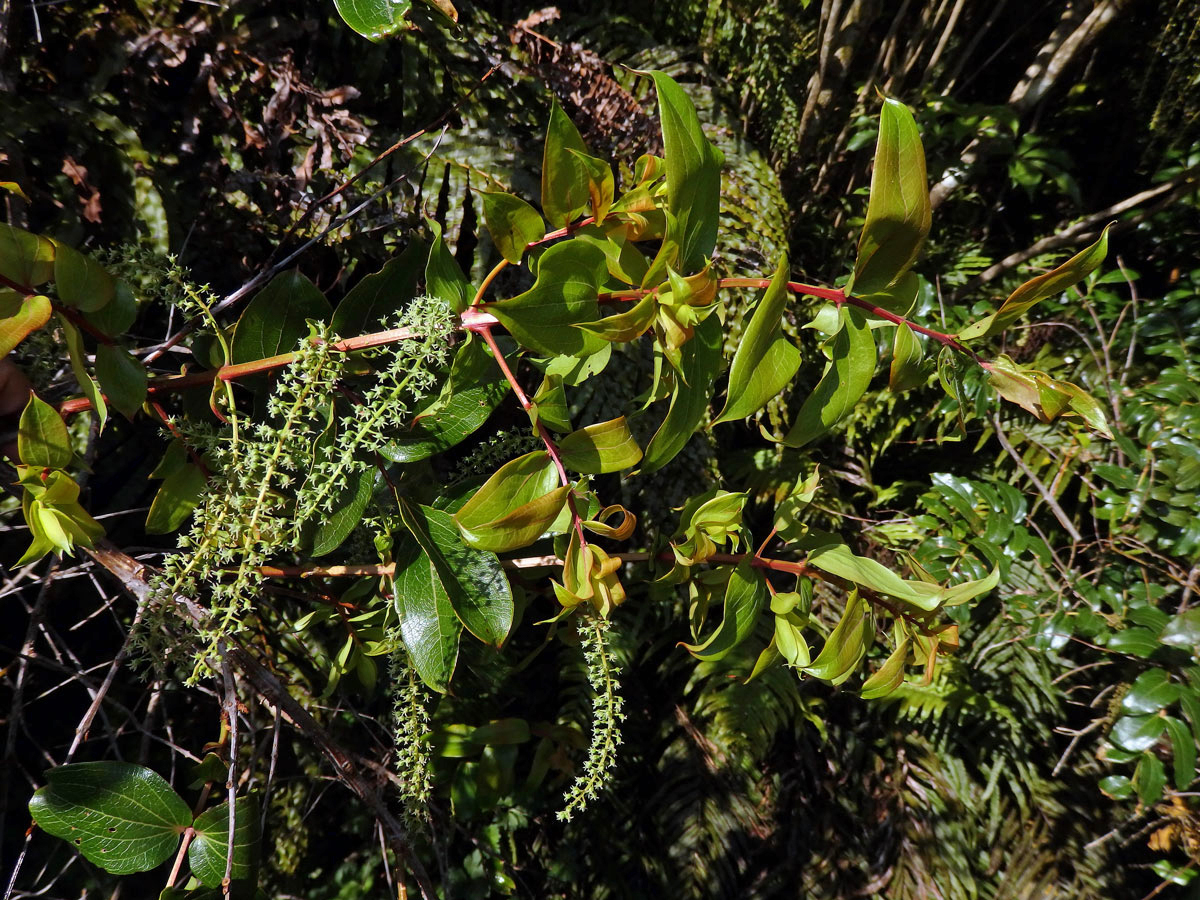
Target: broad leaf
77, 354
515, 506
81, 281
122, 817
25, 258
1137, 733
845, 380
889, 676
837, 559
473, 580
1183, 752
275, 319
1150, 692
693, 173
846, 645
1038, 289
512, 223
374, 19
20, 316
122, 378
376, 299
898, 212
600, 448
118, 315
1183, 631
699, 363
565, 181
177, 496
42, 438
348, 508
564, 295
765, 361
626, 326
428, 625
906, 370
745, 596
209, 849
444, 277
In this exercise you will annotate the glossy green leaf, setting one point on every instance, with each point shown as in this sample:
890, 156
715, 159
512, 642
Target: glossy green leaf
374, 19
846, 645
565, 182
515, 506
1134, 641
789, 639
512, 223
906, 370
845, 380
1151, 691
890, 675
473, 579
1118, 787
1038, 289
1183, 753
600, 448
837, 559
765, 361
543, 318
745, 597
42, 438
118, 315
693, 173
428, 625
122, 817
444, 277
548, 405
276, 318
374, 302
1137, 733
122, 377
475, 388
601, 184
699, 363
1149, 778
177, 496
77, 354
26, 259
898, 212
19, 316
82, 282
348, 507
628, 325
1183, 631
209, 849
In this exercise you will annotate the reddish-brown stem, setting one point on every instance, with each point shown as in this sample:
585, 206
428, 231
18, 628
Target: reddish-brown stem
66, 312
170, 426
562, 232
487, 282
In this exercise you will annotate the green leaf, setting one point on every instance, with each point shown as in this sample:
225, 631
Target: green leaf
180, 492
693, 173
565, 181
118, 315
444, 278
78, 358
836, 559
601, 184
789, 639
1183, 750
210, 847
122, 377
600, 448
81, 281
548, 405
626, 326
845, 380
1149, 778
898, 212
428, 625
765, 361
42, 438
276, 319
699, 363
1038, 289
374, 19
348, 508
1134, 641
906, 370
846, 644
26, 259
890, 675
1137, 733
376, 299
122, 817
564, 295
473, 580
1118, 787
745, 596
512, 223
20, 316
475, 388
1150, 692
1183, 631
515, 506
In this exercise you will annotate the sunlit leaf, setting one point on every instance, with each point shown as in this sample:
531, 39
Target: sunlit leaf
374, 19
275, 319
700, 361
208, 852
19, 316
745, 596
512, 223
845, 380
42, 438
603, 447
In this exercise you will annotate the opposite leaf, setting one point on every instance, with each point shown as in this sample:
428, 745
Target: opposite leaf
845, 380
745, 596
512, 223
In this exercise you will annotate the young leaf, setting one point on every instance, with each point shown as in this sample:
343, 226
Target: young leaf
745, 596
177, 496
693, 173
122, 817
444, 278
210, 847
378, 297
374, 19
889, 676
565, 182
564, 295
600, 448
846, 645
789, 639
275, 319
700, 360
600, 183
42, 438
26, 259
512, 223
473, 580
626, 326
20, 316
81, 281
765, 361
428, 625
122, 378
898, 212
844, 382
515, 506
78, 357
1038, 289
906, 371
836, 559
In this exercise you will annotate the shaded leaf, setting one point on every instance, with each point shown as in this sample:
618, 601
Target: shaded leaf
444, 278
845, 380
122, 377
600, 448
512, 223
380, 296
81, 281
26, 259
209, 849
699, 363
745, 596
565, 181
428, 625
275, 320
